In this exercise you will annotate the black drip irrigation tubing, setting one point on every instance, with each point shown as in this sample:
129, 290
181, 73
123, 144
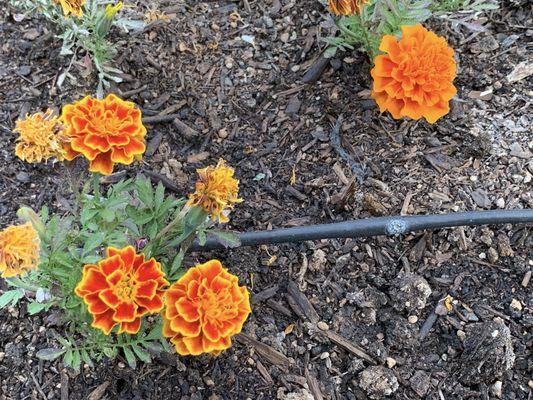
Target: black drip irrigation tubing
390, 226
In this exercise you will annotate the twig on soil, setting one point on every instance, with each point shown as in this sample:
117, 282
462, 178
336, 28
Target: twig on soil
132, 92
160, 118
335, 139
271, 355
347, 345
302, 302
38, 386
167, 183
314, 387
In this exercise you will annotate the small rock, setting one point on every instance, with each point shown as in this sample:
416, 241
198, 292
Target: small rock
518, 151
481, 198
492, 254
420, 383
461, 335
500, 203
302, 394
516, 305
23, 177
409, 292
391, 362
293, 105
504, 246
413, 319
2, 355
322, 326
24, 70
496, 389
485, 45
378, 381
318, 260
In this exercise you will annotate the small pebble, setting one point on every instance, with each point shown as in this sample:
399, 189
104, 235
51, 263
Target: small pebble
496, 389
121, 365
461, 334
324, 355
2, 355
516, 305
391, 362
412, 319
322, 326
500, 203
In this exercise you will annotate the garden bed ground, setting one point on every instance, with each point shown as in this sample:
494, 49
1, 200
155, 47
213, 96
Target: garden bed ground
246, 102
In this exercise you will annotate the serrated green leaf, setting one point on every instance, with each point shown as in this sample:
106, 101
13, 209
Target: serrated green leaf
34, 307
155, 333
93, 241
49, 354
68, 358
142, 354
76, 360
130, 357
11, 296
110, 352
87, 358
159, 195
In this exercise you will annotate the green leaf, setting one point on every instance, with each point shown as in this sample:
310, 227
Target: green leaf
228, 239
159, 195
110, 352
155, 333
201, 237
49, 354
76, 360
145, 192
34, 308
86, 358
108, 215
11, 296
93, 241
130, 357
155, 347
142, 354
68, 358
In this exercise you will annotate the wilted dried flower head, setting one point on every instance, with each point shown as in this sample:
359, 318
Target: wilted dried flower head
41, 136
415, 77
216, 190
346, 7
204, 309
19, 250
74, 7
121, 288
105, 131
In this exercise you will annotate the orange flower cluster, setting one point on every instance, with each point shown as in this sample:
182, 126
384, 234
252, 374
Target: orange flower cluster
415, 77
346, 7
216, 190
74, 7
204, 309
41, 137
122, 288
19, 250
105, 131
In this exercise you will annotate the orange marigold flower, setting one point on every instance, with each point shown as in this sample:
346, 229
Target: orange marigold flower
415, 77
19, 250
204, 309
216, 190
105, 131
122, 288
74, 7
346, 7
41, 137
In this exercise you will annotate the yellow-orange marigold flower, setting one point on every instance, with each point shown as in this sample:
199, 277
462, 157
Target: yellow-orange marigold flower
71, 7
121, 288
346, 7
204, 309
415, 77
41, 136
19, 250
104, 131
216, 190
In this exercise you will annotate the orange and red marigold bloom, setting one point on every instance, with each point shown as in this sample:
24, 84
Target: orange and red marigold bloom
216, 190
104, 131
204, 309
414, 78
346, 7
74, 7
121, 288
19, 250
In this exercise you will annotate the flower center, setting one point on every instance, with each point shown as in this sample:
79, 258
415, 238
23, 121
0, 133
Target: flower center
124, 288
215, 305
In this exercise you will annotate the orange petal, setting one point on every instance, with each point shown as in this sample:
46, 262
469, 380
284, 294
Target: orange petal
93, 280
149, 270
185, 328
187, 310
94, 304
210, 270
125, 312
109, 297
180, 346
97, 142
104, 321
134, 147
152, 305
115, 277
101, 163
127, 254
211, 331
130, 327
147, 289
110, 265
193, 345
